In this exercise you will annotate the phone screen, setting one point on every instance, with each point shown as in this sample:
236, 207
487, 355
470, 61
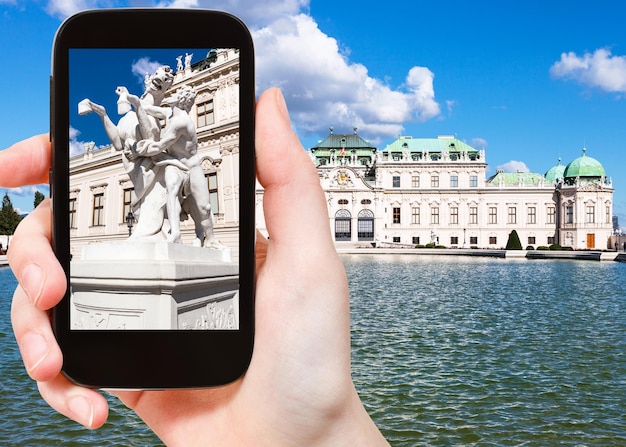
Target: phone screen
154, 206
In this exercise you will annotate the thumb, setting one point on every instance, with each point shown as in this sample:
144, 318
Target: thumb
294, 203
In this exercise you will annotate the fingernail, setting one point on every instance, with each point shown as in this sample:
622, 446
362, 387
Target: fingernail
35, 350
32, 281
82, 410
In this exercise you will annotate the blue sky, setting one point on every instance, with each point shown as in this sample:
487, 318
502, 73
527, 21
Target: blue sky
527, 81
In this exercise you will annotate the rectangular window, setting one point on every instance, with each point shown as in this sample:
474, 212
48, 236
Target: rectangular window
532, 215
550, 240
454, 215
415, 215
473, 216
531, 240
416, 240
98, 210
473, 240
493, 215
454, 240
396, 215
434, 181
551, 215
454, 181
473, 181
213, 197
591, 214
396, 181
415, 181
206, 115
569, 214
493, 240
608, 214
512, 219
396, 239
127, 200
434, 215
73, 212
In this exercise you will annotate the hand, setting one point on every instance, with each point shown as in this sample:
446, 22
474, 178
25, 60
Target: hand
298, 390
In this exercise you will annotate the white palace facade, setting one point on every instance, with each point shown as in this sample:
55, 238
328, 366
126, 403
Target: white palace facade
101, 193
435, 191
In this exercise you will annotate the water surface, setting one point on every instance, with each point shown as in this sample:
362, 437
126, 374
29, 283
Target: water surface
464, 351
446, 352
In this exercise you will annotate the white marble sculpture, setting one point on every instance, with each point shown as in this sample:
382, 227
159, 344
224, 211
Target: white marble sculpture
163, 164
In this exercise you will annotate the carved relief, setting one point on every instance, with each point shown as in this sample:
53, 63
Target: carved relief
342, 179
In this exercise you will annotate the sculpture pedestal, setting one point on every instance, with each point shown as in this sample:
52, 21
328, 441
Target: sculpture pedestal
154, 286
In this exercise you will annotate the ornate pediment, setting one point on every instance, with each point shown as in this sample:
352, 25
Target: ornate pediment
589, 187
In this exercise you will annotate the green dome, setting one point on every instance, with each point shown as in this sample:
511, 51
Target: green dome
555, 173
584, 167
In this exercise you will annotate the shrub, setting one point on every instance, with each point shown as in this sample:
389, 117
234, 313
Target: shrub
555, 247
513, 243
543, 247
530, 247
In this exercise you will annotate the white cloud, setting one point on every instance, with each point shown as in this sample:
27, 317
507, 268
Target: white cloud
23, 190
77, 147
513, 166
254, 13
65, 8
599, 69
144, 66
322, 86
478, 143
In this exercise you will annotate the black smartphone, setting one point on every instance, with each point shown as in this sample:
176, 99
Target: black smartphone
152, 184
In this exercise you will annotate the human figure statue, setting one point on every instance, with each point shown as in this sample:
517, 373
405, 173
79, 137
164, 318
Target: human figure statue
149, 205
188, 57
178, 145
179, 63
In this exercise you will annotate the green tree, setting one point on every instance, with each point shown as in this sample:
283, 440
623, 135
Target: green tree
9, 218
38, 198
513, 243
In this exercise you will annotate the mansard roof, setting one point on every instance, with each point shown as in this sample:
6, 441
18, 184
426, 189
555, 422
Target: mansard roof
347, 141
516, 178
430, 145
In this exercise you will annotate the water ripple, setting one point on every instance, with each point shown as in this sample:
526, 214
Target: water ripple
490, 352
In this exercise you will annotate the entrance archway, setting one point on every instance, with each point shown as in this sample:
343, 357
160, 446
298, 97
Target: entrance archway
343, 225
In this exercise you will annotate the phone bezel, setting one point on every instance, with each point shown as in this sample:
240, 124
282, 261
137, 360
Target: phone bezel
147, 359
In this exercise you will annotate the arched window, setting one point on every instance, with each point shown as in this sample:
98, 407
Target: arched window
343, 225
365, 225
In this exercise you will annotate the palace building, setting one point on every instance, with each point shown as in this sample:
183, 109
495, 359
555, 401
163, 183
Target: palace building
101, 193
435, 191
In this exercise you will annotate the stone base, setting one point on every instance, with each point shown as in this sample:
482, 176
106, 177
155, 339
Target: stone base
154, 286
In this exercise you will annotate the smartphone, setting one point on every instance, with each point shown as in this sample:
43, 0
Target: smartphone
152, 185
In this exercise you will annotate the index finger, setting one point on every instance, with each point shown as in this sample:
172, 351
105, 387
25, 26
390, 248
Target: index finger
26, 162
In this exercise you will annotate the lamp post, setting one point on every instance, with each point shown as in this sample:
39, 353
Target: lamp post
130, 220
